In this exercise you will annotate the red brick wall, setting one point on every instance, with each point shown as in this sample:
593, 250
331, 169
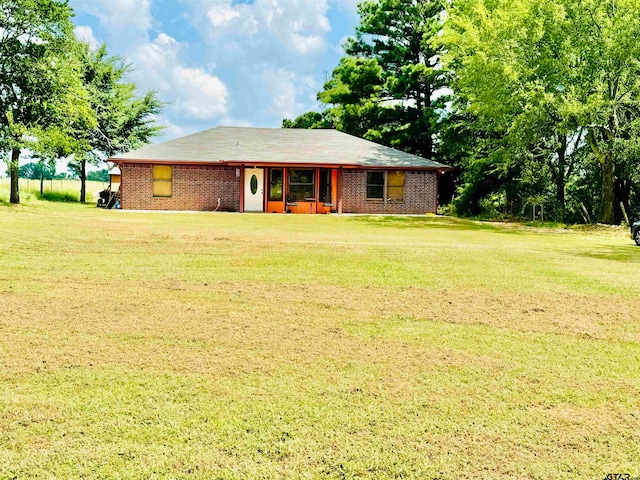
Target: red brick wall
420, 194
195, 187
199, 187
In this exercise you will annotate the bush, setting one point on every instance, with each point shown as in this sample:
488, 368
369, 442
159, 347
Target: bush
63, 196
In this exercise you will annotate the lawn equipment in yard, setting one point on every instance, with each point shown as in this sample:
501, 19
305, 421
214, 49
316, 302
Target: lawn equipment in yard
108, 199
110, 196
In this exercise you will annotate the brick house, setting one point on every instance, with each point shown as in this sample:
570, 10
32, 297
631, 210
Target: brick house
277, 170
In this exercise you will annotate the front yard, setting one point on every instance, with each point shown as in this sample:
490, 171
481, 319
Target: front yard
276, 346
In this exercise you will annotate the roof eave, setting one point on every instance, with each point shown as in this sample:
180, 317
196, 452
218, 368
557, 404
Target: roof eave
242, 163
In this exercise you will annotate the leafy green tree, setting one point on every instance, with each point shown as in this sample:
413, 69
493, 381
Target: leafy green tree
101, 175
41, 91
125, 120
542, 77
308, 120
607, 84
355, 93
41, 170
36, 171
509, 67
56, 143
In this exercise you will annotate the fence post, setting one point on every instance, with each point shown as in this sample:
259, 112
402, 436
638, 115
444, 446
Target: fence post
624, 212
586, 212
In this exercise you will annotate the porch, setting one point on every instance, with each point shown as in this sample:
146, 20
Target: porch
302, 190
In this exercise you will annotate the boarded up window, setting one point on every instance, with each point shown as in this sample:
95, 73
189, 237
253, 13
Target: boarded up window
395, 186
162, 180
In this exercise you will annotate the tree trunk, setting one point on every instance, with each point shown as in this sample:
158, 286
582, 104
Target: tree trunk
427, 106
608, 196
561, 179
83, 181
623, 196
42, 181
14, 169
607, 160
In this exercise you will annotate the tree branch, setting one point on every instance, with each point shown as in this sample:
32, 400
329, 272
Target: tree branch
594, 147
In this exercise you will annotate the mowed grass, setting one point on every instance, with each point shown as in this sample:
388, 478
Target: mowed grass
272, 346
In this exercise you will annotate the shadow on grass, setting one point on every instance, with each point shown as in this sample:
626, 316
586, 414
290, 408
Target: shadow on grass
63, 197
626, 253
448, 223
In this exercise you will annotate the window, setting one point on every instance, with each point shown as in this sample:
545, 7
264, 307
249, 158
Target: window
275, 185
162, 180
385, 185
301, 185
395, 186
375, 185
325, 185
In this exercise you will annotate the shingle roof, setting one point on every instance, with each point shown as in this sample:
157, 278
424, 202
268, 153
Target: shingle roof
277, 146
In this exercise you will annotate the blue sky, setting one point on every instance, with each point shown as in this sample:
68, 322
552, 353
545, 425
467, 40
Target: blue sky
223, 62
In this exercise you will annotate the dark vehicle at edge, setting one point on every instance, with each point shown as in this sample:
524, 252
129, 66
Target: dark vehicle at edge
635, 232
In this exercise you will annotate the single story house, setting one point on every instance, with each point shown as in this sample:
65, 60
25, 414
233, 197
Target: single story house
277, 170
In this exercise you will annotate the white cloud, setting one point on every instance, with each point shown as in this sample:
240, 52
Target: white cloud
219, 16
199, 95
85, 34
236, 62
233, 122
118, 15
194, 94
349, 6
311, 87
280, 84
300, 26
171, 130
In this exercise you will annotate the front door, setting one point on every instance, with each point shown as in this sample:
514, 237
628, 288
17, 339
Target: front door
254, 190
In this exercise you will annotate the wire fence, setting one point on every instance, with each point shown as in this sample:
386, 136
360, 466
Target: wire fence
53, 190
60, 185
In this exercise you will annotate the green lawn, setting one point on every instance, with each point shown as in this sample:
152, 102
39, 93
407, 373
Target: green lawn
272, 346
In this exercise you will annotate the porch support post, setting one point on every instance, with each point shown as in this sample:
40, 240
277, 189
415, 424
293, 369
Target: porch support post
438, 176
316, 194
241, 189
339, 190
121, 189
285, 187
265, 189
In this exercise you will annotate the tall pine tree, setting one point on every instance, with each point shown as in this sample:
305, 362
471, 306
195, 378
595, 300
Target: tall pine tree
385, 88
